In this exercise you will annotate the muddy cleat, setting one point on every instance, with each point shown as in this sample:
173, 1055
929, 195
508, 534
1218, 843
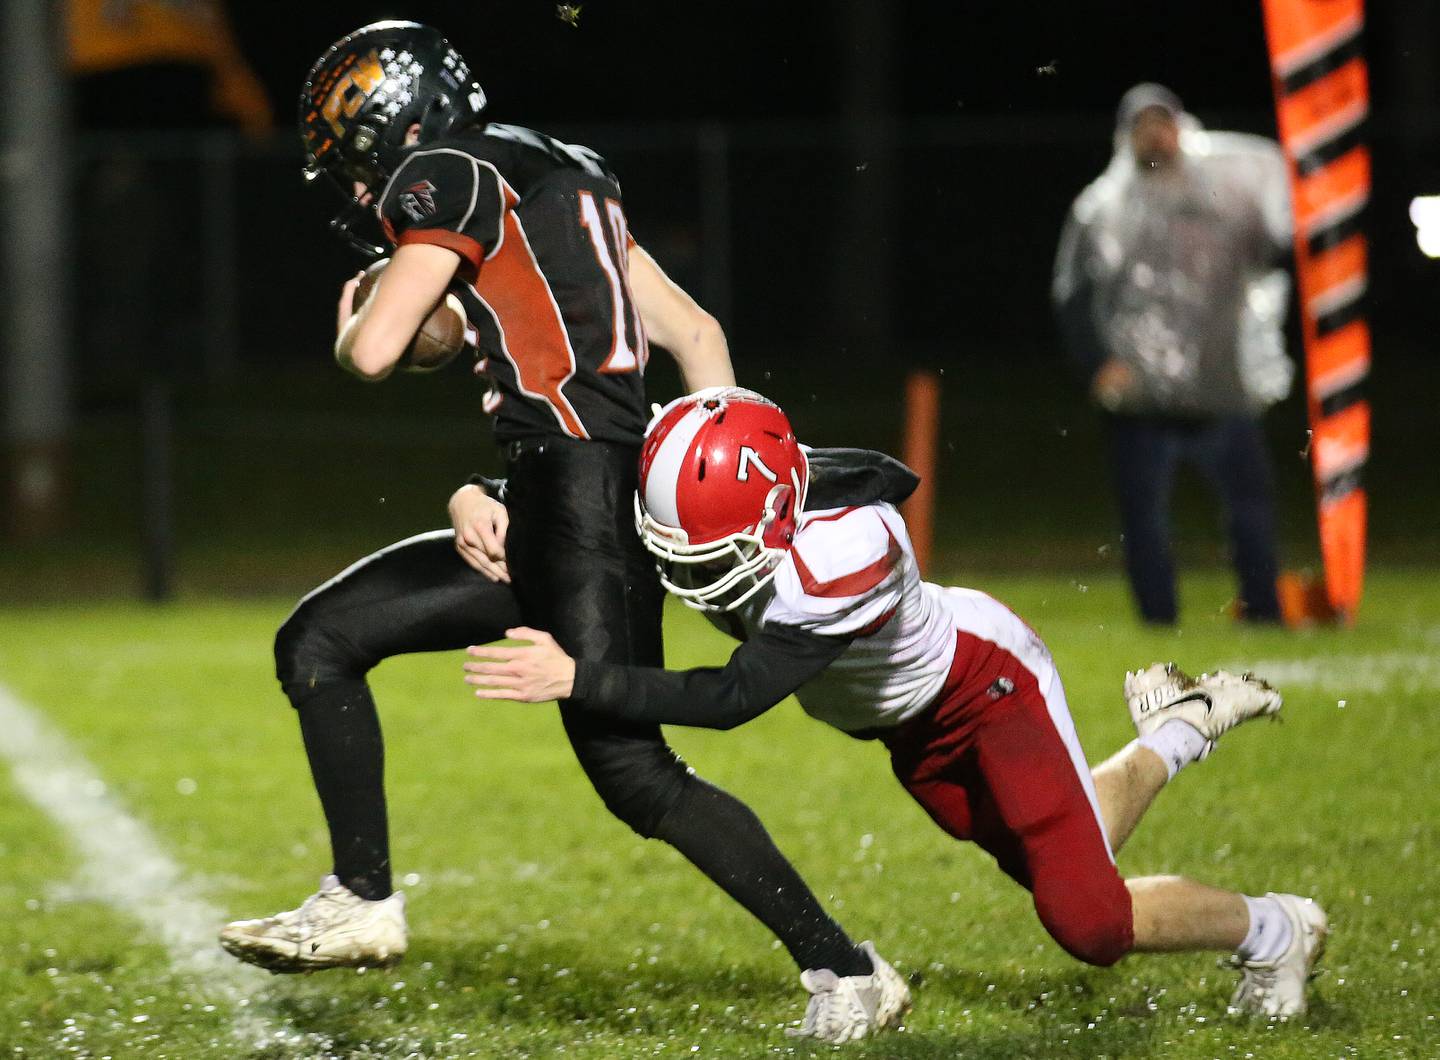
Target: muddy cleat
848, 1008
1212, 704
334, 928
1277, 988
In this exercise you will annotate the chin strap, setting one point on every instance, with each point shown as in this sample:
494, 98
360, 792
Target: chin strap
342, 224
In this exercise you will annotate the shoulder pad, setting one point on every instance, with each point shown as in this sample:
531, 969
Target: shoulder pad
575, 156
845, 571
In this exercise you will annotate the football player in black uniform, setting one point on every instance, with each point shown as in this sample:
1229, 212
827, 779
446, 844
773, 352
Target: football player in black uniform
531, 234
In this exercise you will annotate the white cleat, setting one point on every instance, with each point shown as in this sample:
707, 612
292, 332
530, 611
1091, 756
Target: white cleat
334, 928
1276, 989
1212, 704
848, 1008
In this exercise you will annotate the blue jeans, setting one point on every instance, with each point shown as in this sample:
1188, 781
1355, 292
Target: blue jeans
1230, 452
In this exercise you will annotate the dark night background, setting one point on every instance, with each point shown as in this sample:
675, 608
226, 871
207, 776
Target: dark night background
745, 135
999, 113
686, 61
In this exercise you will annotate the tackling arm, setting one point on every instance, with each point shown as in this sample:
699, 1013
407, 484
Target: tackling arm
674, 320
372, 341
760, 673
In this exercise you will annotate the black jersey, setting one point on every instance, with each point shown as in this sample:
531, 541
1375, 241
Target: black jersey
544, 251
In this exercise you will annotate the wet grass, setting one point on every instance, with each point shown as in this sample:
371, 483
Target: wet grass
541, 927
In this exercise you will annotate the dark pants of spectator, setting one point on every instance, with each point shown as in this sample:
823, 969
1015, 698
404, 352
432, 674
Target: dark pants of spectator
1228, 451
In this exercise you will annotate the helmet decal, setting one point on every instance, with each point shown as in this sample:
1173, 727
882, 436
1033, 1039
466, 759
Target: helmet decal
362, 97
722, 481
361, 77
750, 458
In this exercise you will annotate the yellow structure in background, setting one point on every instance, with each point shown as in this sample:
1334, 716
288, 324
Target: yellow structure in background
105, 35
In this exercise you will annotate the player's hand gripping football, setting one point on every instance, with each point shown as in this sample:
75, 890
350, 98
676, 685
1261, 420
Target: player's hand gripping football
480, 523
533, 673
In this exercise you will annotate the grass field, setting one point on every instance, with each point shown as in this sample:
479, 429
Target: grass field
541, 927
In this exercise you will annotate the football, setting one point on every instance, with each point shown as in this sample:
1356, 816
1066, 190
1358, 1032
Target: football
441, 336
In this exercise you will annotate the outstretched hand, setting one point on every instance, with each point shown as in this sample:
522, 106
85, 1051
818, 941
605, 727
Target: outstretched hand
533, 673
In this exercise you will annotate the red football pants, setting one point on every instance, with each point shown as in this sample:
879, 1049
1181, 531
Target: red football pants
989, 765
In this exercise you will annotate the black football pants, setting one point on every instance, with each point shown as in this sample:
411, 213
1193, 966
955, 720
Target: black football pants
579, 572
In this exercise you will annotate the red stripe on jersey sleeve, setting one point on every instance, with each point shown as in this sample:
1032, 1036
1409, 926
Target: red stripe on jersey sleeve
472, 254
854, 583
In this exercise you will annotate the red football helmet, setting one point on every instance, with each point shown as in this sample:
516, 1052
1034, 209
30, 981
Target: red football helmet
722, 481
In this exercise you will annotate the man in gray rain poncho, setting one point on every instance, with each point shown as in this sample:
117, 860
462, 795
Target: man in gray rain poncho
1171, 304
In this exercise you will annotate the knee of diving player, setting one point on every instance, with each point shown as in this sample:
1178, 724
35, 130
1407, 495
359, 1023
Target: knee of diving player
1088, 913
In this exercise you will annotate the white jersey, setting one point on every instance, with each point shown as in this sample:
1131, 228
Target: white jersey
852, 572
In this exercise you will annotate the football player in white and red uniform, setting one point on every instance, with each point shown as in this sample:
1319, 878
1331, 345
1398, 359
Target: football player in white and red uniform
826, 597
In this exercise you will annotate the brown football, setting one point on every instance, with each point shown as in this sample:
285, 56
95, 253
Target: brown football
439, 339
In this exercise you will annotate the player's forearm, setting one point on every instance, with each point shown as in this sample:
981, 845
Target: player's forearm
703, 355
358, 352
703, 698
676, 323
373, 341
760, 673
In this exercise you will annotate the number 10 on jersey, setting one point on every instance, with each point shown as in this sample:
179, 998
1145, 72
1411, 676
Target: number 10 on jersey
612, 252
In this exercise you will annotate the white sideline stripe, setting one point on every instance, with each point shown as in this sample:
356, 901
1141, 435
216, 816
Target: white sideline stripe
124, 865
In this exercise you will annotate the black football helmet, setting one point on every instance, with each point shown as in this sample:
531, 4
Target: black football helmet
362, 95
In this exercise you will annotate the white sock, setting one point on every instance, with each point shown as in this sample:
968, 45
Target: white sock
1178, 743
1270, 931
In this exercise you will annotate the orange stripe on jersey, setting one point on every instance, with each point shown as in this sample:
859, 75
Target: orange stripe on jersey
532, 332
470, 251
855, 583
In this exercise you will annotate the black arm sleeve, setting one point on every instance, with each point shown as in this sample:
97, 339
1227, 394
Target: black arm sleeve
841, 477
761, 672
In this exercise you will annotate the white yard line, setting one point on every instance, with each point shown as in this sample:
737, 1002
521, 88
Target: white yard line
125, 866
1393, 671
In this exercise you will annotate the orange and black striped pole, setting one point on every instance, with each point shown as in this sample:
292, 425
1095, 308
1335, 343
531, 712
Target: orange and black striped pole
1321, 104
